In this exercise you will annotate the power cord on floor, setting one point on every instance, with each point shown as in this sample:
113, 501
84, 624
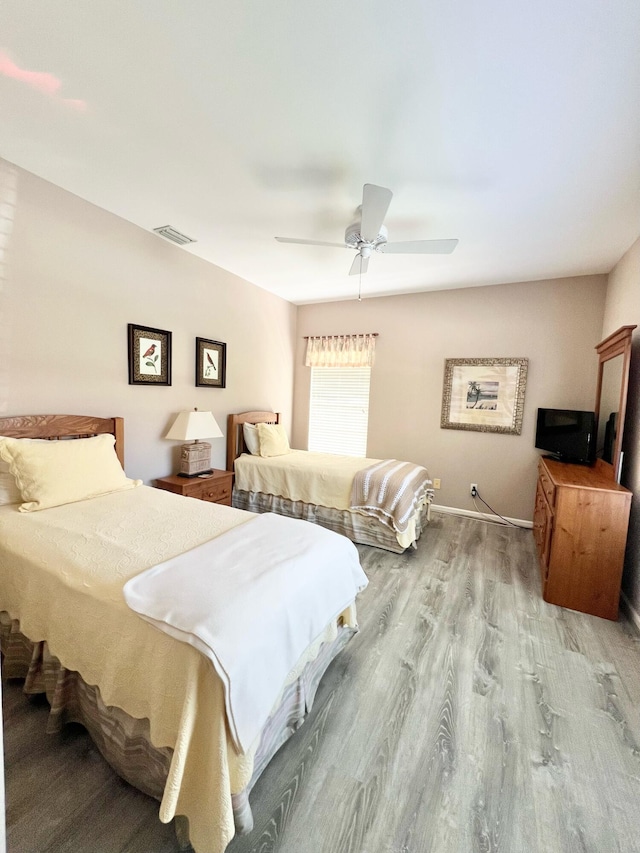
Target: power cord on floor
505, 520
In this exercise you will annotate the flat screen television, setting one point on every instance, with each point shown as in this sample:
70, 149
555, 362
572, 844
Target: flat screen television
567, 434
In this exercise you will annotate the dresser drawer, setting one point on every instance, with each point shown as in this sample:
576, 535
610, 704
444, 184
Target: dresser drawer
547, 485
542, 530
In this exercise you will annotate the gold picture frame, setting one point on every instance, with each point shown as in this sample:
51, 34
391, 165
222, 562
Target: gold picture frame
484, 394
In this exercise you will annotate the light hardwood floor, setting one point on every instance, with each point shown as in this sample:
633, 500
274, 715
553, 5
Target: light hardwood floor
467, 716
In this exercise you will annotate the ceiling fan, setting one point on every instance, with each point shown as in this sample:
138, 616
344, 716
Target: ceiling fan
367, 234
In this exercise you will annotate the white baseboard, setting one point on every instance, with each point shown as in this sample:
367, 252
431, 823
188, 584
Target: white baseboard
630, 610
483, 516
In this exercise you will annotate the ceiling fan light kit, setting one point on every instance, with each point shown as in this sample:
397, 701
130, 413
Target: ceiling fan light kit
367, 234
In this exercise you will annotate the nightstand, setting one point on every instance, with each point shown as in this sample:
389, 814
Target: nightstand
215, 487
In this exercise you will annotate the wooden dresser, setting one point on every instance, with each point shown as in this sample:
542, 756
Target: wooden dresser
580, 527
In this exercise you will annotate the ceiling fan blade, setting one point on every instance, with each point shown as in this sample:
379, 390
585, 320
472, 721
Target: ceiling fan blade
311, 242
359, 265
419, 247
375, 203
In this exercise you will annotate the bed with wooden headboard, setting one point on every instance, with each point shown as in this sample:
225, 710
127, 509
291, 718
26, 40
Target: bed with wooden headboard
54, 427
154, 705
318, 487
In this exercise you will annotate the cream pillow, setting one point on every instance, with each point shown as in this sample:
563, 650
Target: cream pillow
9, 492
273, 440
251, 438
53, 473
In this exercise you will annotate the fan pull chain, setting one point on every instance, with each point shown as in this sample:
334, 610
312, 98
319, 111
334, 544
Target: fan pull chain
360, 282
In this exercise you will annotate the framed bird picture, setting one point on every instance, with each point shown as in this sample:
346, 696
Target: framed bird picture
211, 363
149, 356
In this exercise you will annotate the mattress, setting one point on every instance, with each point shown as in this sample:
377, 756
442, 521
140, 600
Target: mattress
61, 575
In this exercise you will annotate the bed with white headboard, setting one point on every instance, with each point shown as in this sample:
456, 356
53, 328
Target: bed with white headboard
154, 705
320, 487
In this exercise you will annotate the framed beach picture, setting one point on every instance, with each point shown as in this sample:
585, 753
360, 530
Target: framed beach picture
149, 356
211, 363
484, 394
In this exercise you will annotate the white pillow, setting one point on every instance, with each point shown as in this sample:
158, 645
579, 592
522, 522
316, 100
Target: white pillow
273, 440
251, 438
52, 473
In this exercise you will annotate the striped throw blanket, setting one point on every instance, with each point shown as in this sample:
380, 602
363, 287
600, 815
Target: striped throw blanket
391, 491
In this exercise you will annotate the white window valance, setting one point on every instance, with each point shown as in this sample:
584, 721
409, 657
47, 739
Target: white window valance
341, 350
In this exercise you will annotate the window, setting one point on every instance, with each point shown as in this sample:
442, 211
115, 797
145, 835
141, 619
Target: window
339, 410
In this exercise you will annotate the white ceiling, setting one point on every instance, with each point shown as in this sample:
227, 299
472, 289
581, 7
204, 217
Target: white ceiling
510, 124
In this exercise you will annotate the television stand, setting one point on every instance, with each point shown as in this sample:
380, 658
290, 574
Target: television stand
580, 526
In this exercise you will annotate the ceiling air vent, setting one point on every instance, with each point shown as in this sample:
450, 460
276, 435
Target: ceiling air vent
175, 236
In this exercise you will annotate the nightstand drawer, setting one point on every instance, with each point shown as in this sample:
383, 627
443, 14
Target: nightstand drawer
219, 493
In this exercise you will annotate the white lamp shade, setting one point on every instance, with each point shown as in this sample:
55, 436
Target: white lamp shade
190, 426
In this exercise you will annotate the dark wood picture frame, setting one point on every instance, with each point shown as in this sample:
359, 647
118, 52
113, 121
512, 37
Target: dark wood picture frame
211, 363
149, 353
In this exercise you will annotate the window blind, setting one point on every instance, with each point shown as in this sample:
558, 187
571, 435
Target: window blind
339, 410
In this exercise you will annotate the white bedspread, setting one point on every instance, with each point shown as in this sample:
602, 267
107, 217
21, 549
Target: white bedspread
252, 600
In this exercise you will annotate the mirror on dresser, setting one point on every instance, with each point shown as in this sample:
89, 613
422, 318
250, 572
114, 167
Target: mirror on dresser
614, 356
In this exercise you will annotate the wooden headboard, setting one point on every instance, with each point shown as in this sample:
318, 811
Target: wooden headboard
235, 437
64, 426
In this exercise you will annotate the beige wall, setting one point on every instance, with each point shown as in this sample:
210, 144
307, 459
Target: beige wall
623, 308
72, 276
555, 324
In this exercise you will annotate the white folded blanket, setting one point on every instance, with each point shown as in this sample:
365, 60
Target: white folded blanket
252, 600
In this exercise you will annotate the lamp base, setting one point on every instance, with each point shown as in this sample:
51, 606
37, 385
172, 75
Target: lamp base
195, 459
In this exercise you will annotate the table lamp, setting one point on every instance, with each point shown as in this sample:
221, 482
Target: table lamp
195, 459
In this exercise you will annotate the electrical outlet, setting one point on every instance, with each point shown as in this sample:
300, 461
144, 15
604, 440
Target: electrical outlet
436, 482
473, 490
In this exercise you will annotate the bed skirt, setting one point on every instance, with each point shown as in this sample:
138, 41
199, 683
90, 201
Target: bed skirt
360, 528
123, 740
